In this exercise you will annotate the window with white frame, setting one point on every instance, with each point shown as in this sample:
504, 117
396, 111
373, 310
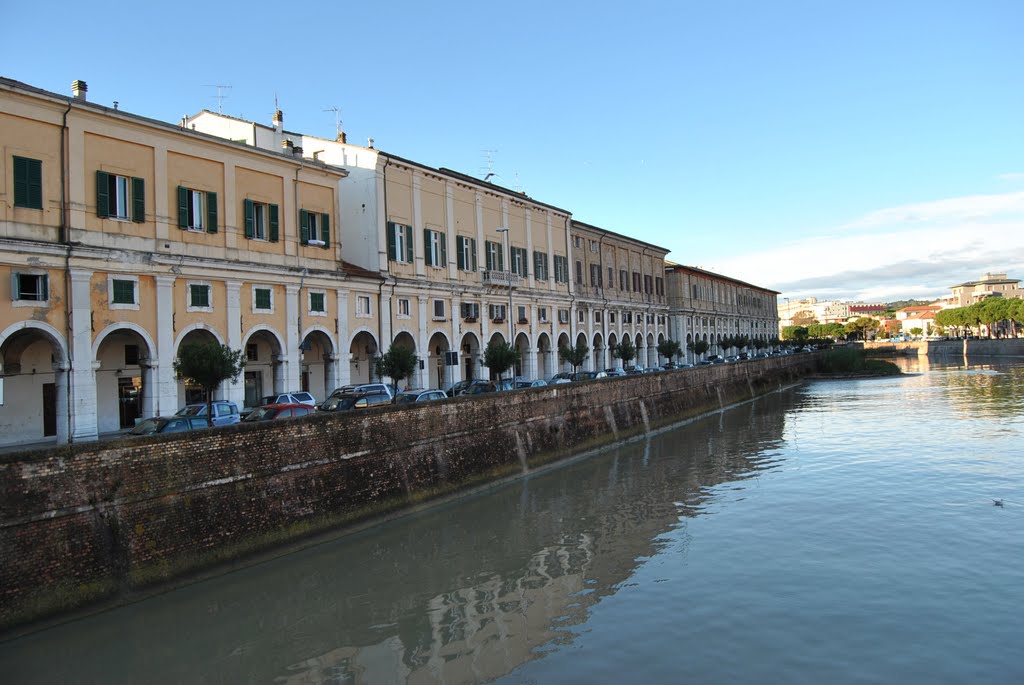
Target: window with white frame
597, 317
120, 197
363, 306
495, 256
439, 310
261, 220
466, 250
123, 292
611, 317
496, 312
400, 243
469, 311
561, 269
577, 241
563, 316
518, 259
197, 210
435, 248
542, 314
593, 246
521, 313
540, 265
403, 308
314, 228
200, 297
262, 299
29, 289
317, 303
582, 315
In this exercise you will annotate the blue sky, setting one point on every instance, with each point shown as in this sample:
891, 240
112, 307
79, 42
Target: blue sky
868, 150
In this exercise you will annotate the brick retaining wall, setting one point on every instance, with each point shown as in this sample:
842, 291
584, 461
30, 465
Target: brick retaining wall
94, 520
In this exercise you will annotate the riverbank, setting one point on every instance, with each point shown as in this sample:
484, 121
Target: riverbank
101, 521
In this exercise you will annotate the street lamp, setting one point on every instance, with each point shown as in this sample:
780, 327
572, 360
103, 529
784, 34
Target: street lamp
508, 275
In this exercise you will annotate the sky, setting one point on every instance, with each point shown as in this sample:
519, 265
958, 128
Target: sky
857, 150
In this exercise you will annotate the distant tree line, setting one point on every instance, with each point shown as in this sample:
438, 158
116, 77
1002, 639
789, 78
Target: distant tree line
999, 316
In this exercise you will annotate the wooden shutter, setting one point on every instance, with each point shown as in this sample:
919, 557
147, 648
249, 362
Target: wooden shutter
460, 252
102, 194
501, 257
409, 254
182, 207
392, 243
488, 255
472, 252
211, 212
250, 218
44, 287
428, 256
138, 200
20, 182
273, 223
15, 285
28, 183
325, 229
443, 239
303, 226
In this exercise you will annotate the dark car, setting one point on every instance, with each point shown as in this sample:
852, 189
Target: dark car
354, 400
460, 387
614, 372
479, 388
410, 396
167, 424
269, 412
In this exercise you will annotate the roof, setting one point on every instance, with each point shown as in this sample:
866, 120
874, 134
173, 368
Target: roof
672, 266
352, 270
993, 281
921, 308
598, 229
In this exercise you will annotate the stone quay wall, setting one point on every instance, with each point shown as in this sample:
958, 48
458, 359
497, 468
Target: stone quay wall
105, 520
981, 347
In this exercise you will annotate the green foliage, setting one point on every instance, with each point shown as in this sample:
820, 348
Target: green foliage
625, 350
398, 363
575, 356
208, 364
916, 330
854, 361
698, 347
864, 326
499, 356
795, 333
759, 344
826, 330
669, 349
996, 313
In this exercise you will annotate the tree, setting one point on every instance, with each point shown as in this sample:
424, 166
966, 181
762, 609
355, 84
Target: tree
499, 356
669, 349
864, 326
208, 364
398, 363
625, 350
759, 344
794, 333
574, 356
698, 347
916, 331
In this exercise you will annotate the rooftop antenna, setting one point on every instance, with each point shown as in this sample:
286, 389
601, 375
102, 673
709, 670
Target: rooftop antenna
337, 119
219, 97
488, 172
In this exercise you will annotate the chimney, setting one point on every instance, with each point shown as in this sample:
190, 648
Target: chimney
78, 89
369, 143
278, 120
286, 145
297, 151
342, 138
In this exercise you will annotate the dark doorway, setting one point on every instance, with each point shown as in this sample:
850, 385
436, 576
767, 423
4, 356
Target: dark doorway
49, 409
129, 397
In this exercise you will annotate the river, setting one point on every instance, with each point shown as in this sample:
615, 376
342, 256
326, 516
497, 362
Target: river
837, 532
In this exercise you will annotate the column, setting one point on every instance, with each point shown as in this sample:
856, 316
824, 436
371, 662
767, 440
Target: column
419, 249
166, 382
292, 367
83, 367
342, 356
234, 391
421, 376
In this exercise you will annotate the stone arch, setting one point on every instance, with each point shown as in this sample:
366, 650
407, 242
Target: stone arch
526, 366
545, 364
34, 365
563, 341
439, 374
266, 354
598, 352
186, 392
196, 327
362, 348
318, 362
613, 342
123, 354
652, 351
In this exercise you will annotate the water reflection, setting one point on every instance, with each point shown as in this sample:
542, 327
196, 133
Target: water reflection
459, 594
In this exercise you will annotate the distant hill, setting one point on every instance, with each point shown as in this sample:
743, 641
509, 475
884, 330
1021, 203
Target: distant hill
900, 304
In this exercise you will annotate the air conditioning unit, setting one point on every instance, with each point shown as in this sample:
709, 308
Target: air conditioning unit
316, 243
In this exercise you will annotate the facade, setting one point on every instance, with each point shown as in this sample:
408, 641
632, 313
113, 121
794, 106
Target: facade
708, 306
989, 285
122, 238
829, 311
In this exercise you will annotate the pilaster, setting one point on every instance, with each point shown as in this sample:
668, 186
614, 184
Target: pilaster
83, 368
166, 391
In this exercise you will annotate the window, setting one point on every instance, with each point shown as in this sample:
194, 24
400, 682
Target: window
595, 276
648, 285
363, 306
611, 317
636, 281
611, 277
579, 272
317, 302
261, 221
197, 210
199, 298
496, 312
30, 287
563, 316
252, 352
400, 243
540, 265
623, 283
435, 249
521, 313
122, 292
315, 228
597, 317
582, 315
262, 299
439, 310
659, 287
469, 310
542, 314
577, 241
495, 256
593, 246
627, 317
518, 259
403, 308
561, 269
28, 183
466, 249
120, 197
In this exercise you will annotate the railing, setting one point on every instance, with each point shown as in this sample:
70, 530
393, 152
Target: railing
502, 278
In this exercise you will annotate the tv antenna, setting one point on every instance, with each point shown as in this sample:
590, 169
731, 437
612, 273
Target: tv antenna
488, 170
337, 119
219, 97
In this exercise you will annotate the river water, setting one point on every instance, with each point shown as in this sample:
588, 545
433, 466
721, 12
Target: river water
838, 532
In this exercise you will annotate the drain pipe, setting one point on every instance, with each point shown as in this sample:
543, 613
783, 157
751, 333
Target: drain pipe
64, 239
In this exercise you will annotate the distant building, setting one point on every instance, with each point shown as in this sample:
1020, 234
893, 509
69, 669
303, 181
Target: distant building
989, 285
802, 311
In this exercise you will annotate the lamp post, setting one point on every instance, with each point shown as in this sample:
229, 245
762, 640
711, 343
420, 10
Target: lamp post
508, 275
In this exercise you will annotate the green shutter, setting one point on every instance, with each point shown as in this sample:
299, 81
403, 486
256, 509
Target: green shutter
102, 194
427, 256
392, 243
28, 183
443, 239
44, 283
472, 252
460, 252
488, 256
303, 226
211, 212
273, 223
20, 182
138, 200
250, 219
325, 229
15, 286
409, 254
501, 258
182, 207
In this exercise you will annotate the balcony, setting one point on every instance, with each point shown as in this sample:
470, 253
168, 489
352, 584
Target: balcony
500, 278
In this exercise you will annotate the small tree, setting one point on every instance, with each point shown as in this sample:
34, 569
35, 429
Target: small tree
208, 364
398, 363
698, 347
625, 350
916, 332
575, 356
499, 356
669, 349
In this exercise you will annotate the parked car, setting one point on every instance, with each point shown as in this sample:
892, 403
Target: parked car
479, 388
524, 383
613, 373
561, 377
299, 397
653, 369
634, 369
224, 413
354, 400
505, 384
167, 424
410, 396
269, 412
716, 359
732, 359
388, 388
670, 366
589, 375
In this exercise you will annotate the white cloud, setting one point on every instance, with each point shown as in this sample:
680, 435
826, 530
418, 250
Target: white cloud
1012, 177
916, 250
